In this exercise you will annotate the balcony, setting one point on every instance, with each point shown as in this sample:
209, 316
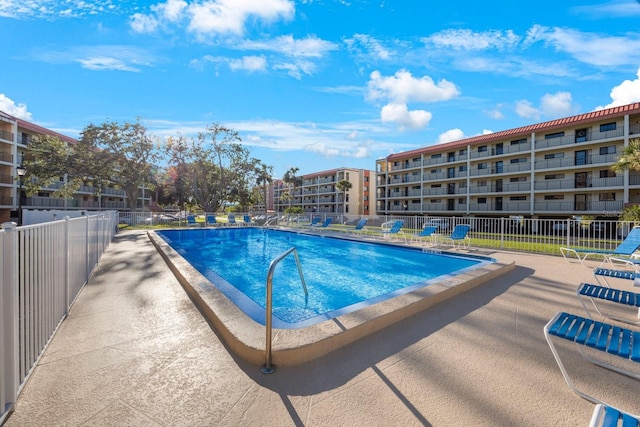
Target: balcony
571, 139
570, 207
6, 135
570, 184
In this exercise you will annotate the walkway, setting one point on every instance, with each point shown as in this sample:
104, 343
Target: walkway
134, 351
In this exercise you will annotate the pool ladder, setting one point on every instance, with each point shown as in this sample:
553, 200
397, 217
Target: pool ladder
268, 368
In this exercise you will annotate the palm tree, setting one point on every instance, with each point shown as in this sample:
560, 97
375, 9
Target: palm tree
629, 160
344, 186
264, 178
293, 181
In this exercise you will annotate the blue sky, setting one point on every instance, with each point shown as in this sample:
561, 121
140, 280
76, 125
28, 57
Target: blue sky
317, 84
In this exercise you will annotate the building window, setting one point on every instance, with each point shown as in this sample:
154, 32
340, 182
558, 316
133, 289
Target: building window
554, 135
519, 141
462, 168
436, 185
554, 197
607, 197
482, 183
607, 126
435, 201
482, 200
436, 170
482, 149
554, 176
608, 150
519, 160
607, 173
518, 198
462, 152
553, 156
482, 166
518, 179
436, 156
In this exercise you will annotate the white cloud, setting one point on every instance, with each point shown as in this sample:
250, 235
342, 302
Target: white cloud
17, 110
551, 106
365, 46
308, 47
450, 135
249, 63
101, 63
403, 87
589, 48
213, 17
467, 40
400, 114
626, 92
143, 23
525, 109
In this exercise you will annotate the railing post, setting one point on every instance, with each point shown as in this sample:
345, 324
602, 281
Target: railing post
67, 265
9, 373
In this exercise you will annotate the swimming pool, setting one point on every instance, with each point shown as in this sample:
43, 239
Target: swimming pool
342, 276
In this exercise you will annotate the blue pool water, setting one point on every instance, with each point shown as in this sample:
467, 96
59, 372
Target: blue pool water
341, 275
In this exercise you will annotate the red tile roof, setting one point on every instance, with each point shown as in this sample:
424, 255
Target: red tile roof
525, 131
39, 129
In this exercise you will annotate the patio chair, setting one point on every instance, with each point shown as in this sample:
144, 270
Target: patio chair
191, 221
608, 416
247, 220
395, 230
602, 273
626, 249
619, 346
231, 219
611, 303
327, 222
427, 232
359, 228
459, 237
211, 220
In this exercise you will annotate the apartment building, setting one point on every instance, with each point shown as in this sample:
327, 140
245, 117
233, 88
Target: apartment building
556, 169
319, 194
15, 136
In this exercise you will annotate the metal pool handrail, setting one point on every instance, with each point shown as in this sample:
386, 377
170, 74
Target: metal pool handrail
268, 368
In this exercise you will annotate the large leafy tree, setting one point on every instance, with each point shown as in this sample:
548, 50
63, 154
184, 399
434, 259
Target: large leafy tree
109, 154
214, 168
130, 154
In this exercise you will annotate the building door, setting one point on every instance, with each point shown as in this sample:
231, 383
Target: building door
581, 157
581, 202
499, 148
498, 203
451, 188
498, 186
451, 204
581, 180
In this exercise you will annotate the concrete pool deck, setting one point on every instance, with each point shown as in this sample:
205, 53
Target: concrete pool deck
134, 350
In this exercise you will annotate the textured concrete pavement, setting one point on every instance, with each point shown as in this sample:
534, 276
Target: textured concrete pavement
135, 351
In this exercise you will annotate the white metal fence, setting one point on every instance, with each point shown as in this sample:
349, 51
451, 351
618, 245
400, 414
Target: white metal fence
43, 268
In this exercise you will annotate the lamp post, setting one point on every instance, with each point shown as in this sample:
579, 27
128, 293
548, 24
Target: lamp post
21, 170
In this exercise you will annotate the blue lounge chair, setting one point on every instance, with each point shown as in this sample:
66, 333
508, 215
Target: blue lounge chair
327, 222
231, 219
315, 220
211, 220
628, 246
247, 220
360, 227
191, 221
608, 416
611, 303
459, 237
395, 230
427, 232
620, 346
